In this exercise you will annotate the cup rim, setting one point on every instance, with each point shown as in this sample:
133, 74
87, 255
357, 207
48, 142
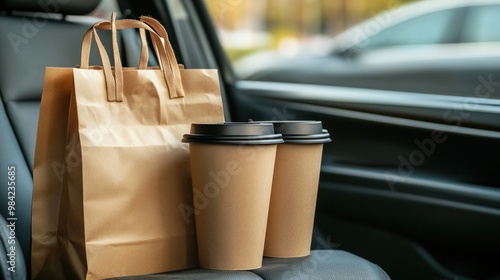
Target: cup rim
301, 131
233, 133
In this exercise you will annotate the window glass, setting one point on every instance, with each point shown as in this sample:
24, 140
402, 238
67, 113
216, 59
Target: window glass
482, 24
287, 28
105, 8
423, 30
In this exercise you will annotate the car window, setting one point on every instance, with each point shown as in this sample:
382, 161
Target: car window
105, 8
423, 30
256, 32
480, 21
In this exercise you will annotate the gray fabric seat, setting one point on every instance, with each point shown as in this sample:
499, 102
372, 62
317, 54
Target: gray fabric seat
321, 264
33, 40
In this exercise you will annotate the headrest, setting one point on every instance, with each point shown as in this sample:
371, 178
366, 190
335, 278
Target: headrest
65, 7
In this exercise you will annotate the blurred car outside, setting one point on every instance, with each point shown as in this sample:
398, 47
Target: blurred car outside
430, 46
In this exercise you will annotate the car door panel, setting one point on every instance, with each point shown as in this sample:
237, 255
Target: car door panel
407, 170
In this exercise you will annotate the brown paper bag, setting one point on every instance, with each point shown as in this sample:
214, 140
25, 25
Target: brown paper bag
111, 173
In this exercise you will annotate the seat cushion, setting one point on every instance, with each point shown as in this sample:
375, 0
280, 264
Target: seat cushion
13, 266
321, 264
198, 273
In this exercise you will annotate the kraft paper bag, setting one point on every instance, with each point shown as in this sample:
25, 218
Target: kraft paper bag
111, 176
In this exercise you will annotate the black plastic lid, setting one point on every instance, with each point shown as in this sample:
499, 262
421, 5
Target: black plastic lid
233, 133
301, 132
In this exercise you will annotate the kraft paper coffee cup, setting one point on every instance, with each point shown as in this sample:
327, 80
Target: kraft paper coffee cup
295, 187
232, 166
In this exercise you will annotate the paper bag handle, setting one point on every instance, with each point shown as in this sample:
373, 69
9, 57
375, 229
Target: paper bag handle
115, 86
144, 54
162, 32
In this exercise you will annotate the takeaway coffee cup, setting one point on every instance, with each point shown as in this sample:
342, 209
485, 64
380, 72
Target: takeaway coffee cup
295, 187
232, 166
